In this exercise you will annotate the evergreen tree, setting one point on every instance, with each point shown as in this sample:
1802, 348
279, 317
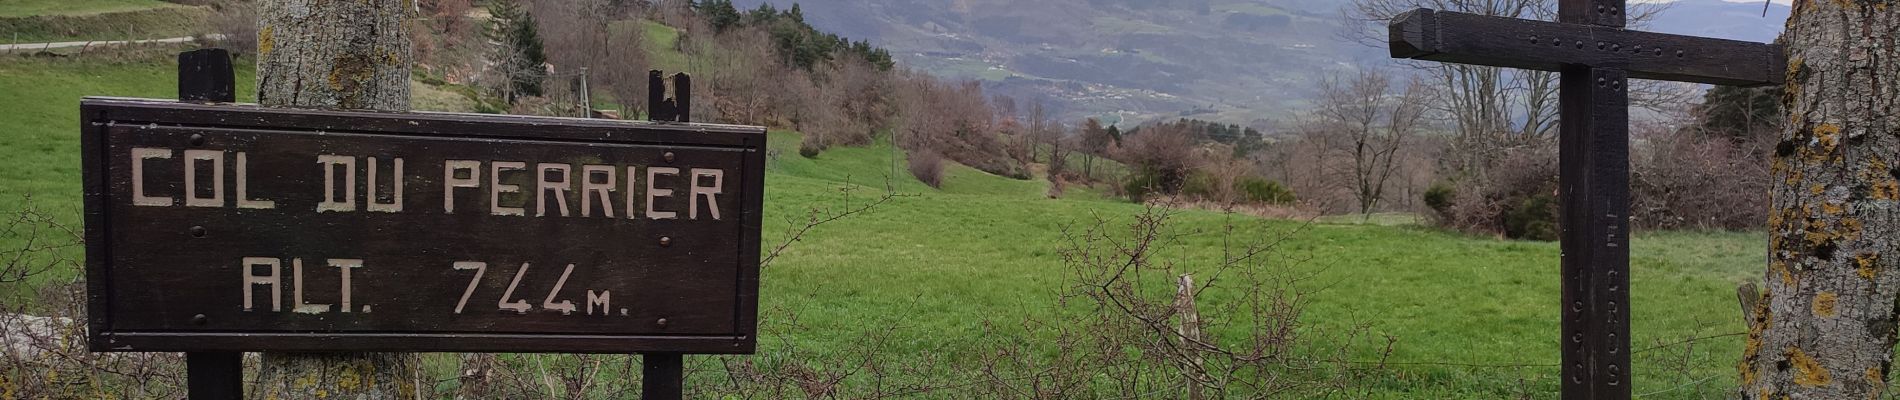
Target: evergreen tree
519, 55
721, 14
1738, 112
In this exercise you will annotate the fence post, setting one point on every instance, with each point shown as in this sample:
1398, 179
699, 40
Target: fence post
205, 75
1190, 331
587, 99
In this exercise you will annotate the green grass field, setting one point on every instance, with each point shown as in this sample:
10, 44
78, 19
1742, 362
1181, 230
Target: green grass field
22, 8
1473, 317
35, 21
662, 44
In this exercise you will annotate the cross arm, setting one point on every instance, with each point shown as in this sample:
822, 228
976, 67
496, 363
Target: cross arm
1431, 35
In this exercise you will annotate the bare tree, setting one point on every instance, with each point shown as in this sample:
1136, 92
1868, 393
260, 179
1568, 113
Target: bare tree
1095, 141
1491, 108
1372, 124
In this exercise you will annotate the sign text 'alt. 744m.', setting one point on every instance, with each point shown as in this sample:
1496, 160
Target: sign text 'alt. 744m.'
245, 228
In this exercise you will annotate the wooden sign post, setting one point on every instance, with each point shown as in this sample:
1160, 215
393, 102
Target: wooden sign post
214, 229
1597, 56
206, 76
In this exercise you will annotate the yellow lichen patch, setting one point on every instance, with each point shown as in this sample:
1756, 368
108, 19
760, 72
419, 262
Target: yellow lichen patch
1808, 371
1864, 264
1817, 233
1826, 140
347, 379
1781, 268
1886, 189
1833, 208
266, 40
1824, 304
304, 382
1817, 189
1795, 64
1747, 371
1874, 377
1851, 229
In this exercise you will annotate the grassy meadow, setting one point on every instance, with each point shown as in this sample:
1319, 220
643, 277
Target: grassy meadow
946, 272
32, 21
22, 8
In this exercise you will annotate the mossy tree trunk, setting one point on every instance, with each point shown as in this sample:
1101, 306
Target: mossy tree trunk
1826, 329
337, 54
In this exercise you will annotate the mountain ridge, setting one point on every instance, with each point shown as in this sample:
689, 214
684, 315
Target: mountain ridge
1251, 62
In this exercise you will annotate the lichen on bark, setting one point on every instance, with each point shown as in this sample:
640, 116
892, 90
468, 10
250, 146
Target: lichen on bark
333, 54
1827, 328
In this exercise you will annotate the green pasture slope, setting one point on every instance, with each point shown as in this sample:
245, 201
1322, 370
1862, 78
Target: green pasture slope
935, 266
31, 21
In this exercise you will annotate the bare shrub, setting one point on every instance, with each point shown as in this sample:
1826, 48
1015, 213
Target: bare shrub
1135, 328
1164, 153
43, 350
1516, 198
447, 42
927, 166
956, 120
1688, 179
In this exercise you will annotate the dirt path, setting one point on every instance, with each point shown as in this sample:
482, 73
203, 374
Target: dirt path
61, 45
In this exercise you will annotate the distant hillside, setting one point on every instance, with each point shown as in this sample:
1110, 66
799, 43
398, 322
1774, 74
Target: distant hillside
1226, 60
1232, 61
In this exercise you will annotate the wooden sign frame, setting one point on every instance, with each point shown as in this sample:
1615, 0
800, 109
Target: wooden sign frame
144, 311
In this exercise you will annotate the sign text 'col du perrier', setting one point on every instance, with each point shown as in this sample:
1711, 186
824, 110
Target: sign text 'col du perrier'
242, 228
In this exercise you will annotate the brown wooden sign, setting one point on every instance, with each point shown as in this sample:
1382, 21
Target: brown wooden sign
242, 228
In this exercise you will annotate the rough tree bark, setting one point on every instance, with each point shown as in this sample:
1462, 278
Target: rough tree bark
1826, 326
348, 55
333, 54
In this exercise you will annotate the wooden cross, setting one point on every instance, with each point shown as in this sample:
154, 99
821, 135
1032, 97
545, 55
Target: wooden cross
1597, 57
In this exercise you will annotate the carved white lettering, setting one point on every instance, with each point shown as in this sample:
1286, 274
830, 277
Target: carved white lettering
633, 173
450, 182
330, 164
252, 279
604, 300
518, 306
395, 181
566, 307
496, 188
296, 285
192, 157
544, 184
479, 267
139, 155
654, 193
597, 180
711, 193
345, 265
243, 187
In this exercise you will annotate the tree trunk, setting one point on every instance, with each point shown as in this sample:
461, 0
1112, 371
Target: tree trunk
333, 54
1826, 327
339, 55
